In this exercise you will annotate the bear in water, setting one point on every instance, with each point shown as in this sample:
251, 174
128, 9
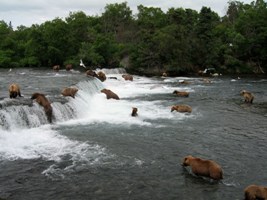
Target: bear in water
253, 192
247, 96
110, 94
181, 108
134, 112
43, 101
181, 93
201, 167
127, 77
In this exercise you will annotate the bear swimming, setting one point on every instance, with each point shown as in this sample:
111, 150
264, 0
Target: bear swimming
181, 108
110, 94
134, 112
201, 167
127, 77
14, 90
43, 101
247, 96
181, 93
69, 92
253, 192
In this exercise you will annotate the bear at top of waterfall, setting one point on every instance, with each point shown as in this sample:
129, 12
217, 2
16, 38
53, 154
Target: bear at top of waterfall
69, 92
134, 112
14, 90
182, 108
101, 76
253, 192
110, 94
44, 102
181, 93
201, 167
248, 96
56, 68
68, 67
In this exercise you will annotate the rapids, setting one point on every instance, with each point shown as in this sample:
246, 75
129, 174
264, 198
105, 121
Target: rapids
95, 149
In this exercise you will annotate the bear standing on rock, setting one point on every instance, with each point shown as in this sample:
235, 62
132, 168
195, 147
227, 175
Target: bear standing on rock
200, 167
69, 92
14, 90
43, 101
253, 192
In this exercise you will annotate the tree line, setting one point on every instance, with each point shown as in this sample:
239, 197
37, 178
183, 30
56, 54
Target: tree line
178, 41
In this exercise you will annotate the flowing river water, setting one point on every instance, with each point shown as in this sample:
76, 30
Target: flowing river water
95, 149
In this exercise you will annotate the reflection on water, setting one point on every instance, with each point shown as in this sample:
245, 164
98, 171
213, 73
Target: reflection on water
96, 150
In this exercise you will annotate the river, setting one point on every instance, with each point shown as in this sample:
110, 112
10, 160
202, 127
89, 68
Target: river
95, 149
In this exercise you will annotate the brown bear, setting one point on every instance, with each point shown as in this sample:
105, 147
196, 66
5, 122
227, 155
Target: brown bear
91, 73
101, 76
206, 80
201, 167
14, 90
247, 96
184, 82
69, 92
56, 68
181, 93
127, 77
134, 112
164, 74
68, 67
253, 192
181, 108
43, 101
110, 94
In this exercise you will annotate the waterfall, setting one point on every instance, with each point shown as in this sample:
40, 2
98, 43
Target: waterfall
24, 113
113, 71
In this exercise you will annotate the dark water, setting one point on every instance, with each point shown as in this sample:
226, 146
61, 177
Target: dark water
101, 152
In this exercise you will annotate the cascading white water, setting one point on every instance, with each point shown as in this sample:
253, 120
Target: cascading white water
14, 116
113, 71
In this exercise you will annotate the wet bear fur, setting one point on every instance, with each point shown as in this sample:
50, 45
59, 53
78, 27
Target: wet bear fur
110, 94
127, 77
101, 76
56, 68
253, 192
68, 67
201, 167
181, 93
69, 92
134, 112
181, 108
14, 90
247, 96
43, 101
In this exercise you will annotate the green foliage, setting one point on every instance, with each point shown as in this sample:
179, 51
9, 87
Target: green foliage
152, 41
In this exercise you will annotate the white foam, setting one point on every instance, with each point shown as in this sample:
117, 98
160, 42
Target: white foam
95, 108
90, 106
43, 143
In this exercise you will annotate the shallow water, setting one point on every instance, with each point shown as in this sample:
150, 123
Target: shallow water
95, 150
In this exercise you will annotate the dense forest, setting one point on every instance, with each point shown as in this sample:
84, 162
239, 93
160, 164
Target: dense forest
179, 41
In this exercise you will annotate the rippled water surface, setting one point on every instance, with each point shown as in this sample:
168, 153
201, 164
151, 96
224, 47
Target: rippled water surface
94, 149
